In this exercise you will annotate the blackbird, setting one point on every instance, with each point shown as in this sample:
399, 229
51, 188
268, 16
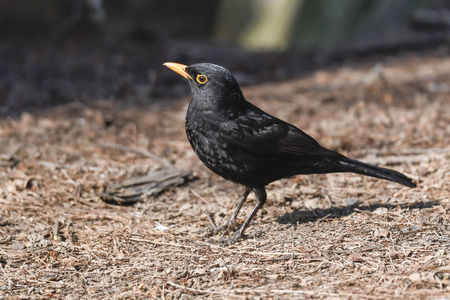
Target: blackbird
246, 145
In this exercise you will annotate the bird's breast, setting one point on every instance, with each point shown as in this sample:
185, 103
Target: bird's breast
215, 153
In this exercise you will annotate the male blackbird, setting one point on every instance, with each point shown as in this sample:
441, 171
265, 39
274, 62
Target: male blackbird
242, 143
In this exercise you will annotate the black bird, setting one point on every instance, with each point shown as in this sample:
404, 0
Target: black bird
242, 143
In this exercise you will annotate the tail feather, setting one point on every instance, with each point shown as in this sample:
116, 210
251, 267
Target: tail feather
355, 166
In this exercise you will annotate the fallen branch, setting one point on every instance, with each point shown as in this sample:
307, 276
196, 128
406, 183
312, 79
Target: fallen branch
133, 190
8, 161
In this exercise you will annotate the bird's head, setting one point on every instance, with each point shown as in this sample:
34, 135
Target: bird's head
210, 84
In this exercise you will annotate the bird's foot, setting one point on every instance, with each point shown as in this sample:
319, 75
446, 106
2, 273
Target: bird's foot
214, 229
224, 229
226, 242
235, 238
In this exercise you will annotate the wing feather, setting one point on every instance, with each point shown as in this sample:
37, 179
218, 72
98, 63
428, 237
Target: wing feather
262, 133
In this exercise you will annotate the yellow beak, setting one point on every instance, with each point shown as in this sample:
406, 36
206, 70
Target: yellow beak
179, 68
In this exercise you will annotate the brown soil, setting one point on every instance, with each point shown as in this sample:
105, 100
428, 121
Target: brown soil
339, 236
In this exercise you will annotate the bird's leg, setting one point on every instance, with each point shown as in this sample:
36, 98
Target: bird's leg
261, 197
232, 222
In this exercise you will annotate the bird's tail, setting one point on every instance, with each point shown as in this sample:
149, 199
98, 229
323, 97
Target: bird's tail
355, 166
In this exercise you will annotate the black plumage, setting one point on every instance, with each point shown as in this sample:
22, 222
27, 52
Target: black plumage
243, 144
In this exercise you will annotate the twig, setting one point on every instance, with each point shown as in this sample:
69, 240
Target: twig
401, 152
199, 196
51, 165
399, 159
248, 252
278, 259
9, 279
135, 189
276, 291
138, 151
213, 246
70, 178
196, 291
361, 249
56, 229
196, 276
211, 220
159, 243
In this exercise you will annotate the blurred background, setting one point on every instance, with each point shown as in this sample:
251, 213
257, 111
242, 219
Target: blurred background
57, 51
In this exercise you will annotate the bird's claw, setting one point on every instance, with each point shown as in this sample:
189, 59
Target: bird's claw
226, 242
213, 230
235, 238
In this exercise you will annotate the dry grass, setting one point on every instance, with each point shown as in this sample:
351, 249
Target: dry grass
338, 236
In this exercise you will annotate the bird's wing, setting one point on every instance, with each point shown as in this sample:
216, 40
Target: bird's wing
258, 132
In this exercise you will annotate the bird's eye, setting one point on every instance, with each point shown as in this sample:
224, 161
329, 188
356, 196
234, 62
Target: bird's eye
202, 79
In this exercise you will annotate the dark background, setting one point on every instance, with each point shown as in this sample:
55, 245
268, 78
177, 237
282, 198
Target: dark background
56, 51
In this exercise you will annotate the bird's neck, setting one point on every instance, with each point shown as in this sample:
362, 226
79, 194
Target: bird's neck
228, 107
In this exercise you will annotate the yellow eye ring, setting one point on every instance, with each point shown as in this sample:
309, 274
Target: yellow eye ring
202, 79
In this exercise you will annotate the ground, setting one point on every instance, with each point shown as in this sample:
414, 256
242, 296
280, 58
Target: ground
337, 236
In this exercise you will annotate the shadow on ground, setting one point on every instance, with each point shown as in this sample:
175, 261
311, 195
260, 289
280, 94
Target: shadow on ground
305, 216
